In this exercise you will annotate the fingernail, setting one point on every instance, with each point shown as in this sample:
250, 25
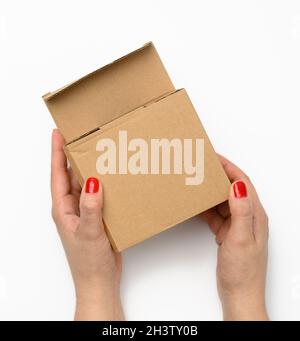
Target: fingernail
239, 189
92, 185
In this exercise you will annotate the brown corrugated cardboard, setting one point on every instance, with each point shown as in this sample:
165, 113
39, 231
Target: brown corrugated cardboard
135, 97
109, 92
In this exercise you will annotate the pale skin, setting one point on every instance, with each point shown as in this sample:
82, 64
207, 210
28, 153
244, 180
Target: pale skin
241, 229
95, 267
240, 226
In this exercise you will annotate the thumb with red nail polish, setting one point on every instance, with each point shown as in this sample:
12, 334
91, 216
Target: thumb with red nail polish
91, 202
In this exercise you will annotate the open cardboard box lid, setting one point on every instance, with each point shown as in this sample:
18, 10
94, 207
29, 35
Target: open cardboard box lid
109, 92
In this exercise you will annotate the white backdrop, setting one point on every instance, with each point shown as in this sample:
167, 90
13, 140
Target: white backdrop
239, 61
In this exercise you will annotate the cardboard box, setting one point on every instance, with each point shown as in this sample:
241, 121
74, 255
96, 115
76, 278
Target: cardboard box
133, 99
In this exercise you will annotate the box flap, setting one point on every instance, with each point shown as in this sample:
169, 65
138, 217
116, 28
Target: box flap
109, 92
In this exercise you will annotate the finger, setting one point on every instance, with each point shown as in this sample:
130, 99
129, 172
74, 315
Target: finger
223, 209
91, 203
75, 186
234, 173
213, 219
222, 233
261, 225
241, 208
60, 184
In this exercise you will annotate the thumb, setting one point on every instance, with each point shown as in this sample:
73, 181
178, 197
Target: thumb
240, 204
91, 203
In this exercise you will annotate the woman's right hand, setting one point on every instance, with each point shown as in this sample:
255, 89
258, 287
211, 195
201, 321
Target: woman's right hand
77, 213
241, 229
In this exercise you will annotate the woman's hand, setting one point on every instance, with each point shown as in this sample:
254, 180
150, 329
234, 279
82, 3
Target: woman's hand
95, 267
241, 229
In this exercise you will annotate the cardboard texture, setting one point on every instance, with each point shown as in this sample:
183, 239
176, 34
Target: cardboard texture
135, 94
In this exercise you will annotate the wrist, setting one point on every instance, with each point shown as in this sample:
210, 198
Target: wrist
244, 308
99, 302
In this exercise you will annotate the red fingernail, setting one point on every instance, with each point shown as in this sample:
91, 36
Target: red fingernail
92, 185
239, 189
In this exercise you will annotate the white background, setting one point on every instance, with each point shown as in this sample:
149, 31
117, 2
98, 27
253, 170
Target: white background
240, 63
